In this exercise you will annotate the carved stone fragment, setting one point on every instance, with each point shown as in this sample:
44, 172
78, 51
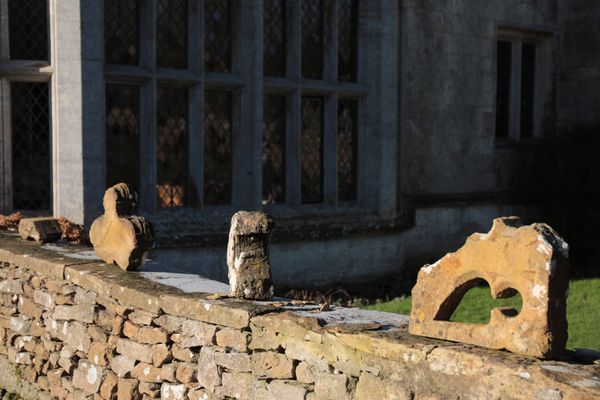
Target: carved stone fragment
248, 256
43, 230
117, 236
531, 260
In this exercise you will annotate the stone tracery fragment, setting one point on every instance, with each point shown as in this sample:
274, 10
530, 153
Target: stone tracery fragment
119, 237
531, 260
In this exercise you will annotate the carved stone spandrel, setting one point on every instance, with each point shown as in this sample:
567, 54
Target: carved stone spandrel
117, 236
531, 260
248, 256
42, 230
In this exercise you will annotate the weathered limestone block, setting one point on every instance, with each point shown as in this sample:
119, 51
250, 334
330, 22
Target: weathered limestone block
88, 377
42, 230
248, 256
119, 237
531, 260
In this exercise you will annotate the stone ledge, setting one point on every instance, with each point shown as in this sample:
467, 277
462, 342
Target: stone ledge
220, 347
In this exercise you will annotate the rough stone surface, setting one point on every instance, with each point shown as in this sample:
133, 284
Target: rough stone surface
42, 230
248, 256
531, 260
221, 348
117, 236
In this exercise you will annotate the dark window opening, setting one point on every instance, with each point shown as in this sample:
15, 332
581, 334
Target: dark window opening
503, 82
273, 152
172, 148
314, 32
274, 37
122, 135
218, 147
31, 165
347, 149
347, 40
527, 89
217, 36
311, 150
28, 29
171, 33
121, 32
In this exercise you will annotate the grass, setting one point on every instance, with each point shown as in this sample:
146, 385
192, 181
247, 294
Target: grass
583, 310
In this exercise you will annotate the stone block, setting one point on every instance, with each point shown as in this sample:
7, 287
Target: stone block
144, 334
531, 260
45, 299
333, 387
134, 350
237, 385
109, 386
161, 354
233, 339
122, 365
88, 377
272, 365
42, 230
172, 391
237, 362
127, 389
370, 387
208, 373
80, 312
185, 372
117, 236
248, 256
145, 372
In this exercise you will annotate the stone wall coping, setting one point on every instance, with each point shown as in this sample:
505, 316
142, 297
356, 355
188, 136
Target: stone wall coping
348, 339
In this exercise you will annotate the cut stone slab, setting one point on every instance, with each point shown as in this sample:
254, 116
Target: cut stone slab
117, 236
531, 260
42, 230
248, 256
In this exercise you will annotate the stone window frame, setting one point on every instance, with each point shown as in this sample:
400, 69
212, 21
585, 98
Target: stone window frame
19, 71
378, 117
542, 40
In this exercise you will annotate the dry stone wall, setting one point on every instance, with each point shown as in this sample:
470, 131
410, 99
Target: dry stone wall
75, 329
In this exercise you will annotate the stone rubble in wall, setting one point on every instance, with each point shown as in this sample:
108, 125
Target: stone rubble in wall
76, 343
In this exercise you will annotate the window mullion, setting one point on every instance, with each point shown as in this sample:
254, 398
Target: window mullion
5, 143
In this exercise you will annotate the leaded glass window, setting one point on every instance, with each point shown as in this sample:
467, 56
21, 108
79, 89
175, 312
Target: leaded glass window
28, 29
31, 168
171, 33
217, 35
347, 149
274, 28
121, 32
273, 155
311, 149
217, 147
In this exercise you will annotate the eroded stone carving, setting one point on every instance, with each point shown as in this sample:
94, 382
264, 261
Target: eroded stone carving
532, 260
248, 256
43, 230
117, 236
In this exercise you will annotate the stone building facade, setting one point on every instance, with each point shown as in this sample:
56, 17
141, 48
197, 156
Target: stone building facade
377, 133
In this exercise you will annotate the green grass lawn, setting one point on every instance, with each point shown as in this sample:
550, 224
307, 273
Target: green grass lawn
583, 310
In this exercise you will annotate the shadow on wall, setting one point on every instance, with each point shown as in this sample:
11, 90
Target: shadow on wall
577, 196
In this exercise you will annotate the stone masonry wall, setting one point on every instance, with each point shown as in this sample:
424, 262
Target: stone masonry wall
76, 329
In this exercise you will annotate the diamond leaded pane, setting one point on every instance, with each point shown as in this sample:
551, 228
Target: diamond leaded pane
217, 147
122, 135
273, 152
217, 35
171, 33
313, 36
30, 146
274, 37
121, 32
28, 29
347, 39
172, 147
347, 148
311, 147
